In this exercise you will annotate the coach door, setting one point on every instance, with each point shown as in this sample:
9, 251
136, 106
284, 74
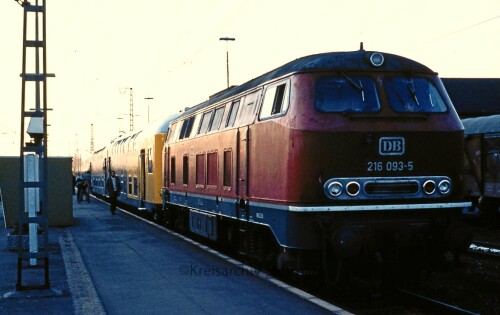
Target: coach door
107, 169
142, 174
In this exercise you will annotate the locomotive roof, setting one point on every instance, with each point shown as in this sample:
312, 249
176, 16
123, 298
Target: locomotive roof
480, 125
344, 61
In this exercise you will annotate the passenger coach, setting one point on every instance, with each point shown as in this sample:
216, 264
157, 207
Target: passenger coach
338, 163
137, 160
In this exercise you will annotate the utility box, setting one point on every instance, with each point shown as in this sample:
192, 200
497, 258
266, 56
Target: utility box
60, 185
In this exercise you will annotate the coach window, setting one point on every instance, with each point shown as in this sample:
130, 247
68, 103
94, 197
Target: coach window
150, 161
205, 122
200, 170
233, 110
130, 185
136, 186
346, 94
185, 170
276, 101
217, 120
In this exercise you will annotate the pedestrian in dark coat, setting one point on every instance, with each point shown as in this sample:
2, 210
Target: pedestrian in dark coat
114, 187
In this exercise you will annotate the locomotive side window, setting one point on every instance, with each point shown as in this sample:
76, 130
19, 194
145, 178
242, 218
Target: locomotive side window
212, 172
275, 101
228, 166
165, 169
172, 170
414, 95
232, 113
172, 132
216, 122
185, 169
346, 94
200, 170
205, 122
187, 126
247, 109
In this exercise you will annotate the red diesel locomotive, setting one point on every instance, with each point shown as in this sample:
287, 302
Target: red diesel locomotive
339, 164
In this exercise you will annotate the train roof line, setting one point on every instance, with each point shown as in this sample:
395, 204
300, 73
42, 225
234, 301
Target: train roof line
344, 61
480, 125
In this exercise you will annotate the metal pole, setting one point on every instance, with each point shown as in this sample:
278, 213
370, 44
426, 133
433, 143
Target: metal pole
227, 67
227, 39
148, 98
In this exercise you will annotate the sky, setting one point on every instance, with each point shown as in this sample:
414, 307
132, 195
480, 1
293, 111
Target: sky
170, 54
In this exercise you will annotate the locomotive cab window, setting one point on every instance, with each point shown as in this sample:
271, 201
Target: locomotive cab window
414, 95
276, 101
346, 93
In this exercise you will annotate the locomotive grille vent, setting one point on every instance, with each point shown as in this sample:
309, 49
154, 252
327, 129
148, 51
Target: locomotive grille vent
391, 188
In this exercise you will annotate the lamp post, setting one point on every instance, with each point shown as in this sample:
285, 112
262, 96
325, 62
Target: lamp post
148, 98
227, 39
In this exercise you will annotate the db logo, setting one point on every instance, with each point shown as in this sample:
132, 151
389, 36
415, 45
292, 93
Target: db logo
391, 146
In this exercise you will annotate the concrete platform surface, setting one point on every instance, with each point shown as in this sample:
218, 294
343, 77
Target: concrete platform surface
116, 264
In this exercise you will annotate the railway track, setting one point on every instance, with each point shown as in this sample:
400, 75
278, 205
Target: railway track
430, 304
485, 248
396, 301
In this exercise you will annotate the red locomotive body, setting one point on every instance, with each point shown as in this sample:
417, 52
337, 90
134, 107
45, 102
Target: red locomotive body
329, 161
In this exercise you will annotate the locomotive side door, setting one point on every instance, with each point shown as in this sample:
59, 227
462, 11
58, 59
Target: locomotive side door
242, 189
242, 161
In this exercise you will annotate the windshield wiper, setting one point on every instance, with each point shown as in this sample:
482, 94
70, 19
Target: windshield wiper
355, 85
411, 89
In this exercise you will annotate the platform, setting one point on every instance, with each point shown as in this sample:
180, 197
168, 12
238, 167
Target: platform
117, 264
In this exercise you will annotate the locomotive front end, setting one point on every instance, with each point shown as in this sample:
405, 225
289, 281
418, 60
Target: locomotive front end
387, 149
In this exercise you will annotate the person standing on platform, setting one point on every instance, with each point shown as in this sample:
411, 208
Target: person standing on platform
86, 191
114, 187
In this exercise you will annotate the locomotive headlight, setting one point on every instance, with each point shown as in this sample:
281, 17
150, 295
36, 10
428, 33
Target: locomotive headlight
429, 187
352, 188
377, 59
444, 186
334, 189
